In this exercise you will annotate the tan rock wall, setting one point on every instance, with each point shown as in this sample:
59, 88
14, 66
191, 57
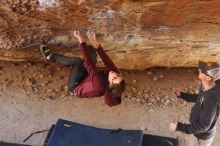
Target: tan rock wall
137, 34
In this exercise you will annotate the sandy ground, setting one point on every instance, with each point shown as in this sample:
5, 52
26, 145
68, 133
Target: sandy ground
34, 95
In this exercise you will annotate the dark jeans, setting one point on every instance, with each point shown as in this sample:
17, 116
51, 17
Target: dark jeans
78, 71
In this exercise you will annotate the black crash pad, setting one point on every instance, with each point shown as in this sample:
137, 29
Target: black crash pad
70, 133
153, 140
67, 133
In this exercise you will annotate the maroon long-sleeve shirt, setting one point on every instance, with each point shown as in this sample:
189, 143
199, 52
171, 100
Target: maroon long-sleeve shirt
96, 83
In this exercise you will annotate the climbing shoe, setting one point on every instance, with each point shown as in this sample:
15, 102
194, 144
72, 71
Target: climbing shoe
45, 51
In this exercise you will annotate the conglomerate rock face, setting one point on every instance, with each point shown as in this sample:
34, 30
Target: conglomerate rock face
136, 34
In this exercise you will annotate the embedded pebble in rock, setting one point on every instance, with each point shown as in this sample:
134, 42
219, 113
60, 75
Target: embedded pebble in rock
134, 81
134, 89
161, 76
149, 72
66, 88
26, 66
50, 90
155, 79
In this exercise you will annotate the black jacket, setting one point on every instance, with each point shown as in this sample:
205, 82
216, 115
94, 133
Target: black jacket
204, 114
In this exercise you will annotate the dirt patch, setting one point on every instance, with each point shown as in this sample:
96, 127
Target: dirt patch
34, 95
